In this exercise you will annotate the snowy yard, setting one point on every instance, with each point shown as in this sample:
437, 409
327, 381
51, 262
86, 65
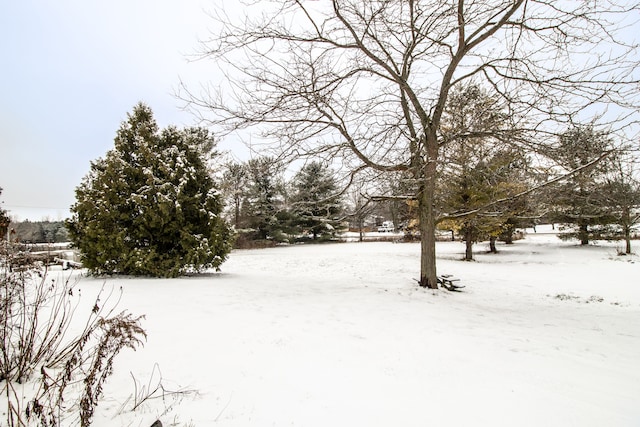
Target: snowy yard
545, 333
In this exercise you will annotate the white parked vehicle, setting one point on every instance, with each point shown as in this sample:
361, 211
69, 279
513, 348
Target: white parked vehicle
386, 227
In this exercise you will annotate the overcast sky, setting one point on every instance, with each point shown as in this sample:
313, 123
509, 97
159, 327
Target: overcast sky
71, 70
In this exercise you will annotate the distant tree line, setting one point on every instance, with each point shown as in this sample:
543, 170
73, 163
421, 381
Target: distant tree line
44, 231
38, 231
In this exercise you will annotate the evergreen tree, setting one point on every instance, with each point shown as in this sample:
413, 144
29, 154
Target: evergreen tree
479, 167
578, 200
264, 199
314, 201
150, 206
482, 183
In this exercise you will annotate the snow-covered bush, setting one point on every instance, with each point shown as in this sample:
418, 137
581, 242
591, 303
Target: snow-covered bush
150, 206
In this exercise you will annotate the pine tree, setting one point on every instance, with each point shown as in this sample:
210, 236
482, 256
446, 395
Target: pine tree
479, 168
578, 200
264, 199
150, 206
483, 182
314, 200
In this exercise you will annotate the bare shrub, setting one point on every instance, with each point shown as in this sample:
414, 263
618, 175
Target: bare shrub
50, 373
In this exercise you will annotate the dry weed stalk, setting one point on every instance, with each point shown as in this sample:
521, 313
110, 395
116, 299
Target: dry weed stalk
155, 389
49, 373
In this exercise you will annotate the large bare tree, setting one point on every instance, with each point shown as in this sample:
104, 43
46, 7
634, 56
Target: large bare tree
365, 83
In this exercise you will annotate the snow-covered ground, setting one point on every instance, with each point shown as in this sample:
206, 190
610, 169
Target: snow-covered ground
546, 333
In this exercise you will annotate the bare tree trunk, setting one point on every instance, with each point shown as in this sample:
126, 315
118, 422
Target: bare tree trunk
468, 240
428, 277
627, 239
492, 245
426, 169
626, 224
237, 213
583, 233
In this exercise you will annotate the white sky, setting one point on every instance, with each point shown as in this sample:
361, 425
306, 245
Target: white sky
71, 70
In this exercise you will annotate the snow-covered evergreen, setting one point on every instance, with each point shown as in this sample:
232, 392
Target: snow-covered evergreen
150, 206
315, 204
264, 199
